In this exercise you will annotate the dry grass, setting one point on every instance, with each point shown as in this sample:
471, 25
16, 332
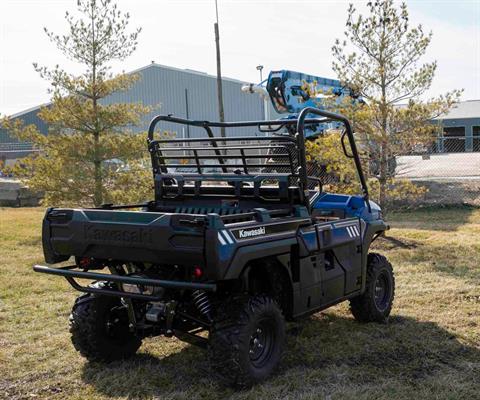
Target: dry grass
429, 350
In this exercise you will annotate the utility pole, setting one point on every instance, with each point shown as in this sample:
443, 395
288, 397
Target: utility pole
221, 113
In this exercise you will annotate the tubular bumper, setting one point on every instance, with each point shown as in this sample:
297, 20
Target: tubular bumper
70, 272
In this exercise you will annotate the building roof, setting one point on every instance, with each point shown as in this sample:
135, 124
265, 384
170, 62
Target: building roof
152, 65
463, 109
21, 113
185, 70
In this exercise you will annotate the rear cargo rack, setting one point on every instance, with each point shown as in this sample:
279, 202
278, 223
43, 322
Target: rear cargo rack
269, 167
261, 167
224, 152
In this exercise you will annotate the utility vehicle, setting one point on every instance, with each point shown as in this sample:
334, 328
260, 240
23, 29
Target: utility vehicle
226, 252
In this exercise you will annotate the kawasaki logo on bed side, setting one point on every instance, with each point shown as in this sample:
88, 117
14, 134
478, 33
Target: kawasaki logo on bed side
110, 234
248, 233
266, 230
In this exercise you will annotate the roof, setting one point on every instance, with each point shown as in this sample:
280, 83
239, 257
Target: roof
152, 65
463, 109
186, 70
20, 113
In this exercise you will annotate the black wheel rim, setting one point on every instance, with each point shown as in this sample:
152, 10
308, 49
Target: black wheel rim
382, 291
262, 342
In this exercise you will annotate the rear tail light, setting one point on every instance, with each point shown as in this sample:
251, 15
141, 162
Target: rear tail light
197, 272
85, 262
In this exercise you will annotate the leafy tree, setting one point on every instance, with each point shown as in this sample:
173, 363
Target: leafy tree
90, 156
340, 175
379, 59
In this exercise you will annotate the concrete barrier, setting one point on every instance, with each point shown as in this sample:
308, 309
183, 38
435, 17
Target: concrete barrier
14, 193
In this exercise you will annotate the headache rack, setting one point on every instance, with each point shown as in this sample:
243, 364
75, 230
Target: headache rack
268, 166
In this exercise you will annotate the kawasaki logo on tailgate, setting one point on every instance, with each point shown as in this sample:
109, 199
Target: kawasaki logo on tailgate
111, 234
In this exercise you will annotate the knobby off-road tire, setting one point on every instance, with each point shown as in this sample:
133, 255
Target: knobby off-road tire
246, 341
376, 303
99, 328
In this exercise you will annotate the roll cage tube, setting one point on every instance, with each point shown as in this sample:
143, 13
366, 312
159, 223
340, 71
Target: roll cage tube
242, 124
302, 117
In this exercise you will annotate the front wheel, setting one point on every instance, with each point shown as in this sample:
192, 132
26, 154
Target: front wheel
246, 341
376, 303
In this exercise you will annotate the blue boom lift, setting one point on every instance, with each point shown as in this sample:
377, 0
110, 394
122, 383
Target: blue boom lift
287, 93
286, 90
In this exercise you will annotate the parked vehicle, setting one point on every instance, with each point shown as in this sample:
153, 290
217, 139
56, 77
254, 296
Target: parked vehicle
234, 253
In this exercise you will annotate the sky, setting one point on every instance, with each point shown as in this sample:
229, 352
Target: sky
282, 34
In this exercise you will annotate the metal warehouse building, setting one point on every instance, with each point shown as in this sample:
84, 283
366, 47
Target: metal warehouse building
182, 92
461, 128
191, 94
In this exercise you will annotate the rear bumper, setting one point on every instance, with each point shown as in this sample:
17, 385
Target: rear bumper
70, 272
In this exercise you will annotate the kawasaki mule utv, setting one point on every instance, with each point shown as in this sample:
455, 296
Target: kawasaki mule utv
227, 247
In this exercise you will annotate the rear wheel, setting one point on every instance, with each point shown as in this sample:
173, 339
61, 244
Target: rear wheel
99, 328
376, 303
246, 342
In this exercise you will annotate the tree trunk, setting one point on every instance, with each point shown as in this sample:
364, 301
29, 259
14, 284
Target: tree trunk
98, 179
97, 161
382, 179
383, 175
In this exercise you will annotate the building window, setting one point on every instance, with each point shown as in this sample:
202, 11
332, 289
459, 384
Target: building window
476, 138
454, 140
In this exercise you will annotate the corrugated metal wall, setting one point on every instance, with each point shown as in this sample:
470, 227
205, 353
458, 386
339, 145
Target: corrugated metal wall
174, 91
170, 89
28, 118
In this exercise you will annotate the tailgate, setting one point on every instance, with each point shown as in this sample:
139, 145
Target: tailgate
122, 235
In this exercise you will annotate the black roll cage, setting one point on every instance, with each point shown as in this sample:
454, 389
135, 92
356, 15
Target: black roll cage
220, 146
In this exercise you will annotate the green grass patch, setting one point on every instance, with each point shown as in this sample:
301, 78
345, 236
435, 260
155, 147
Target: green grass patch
430, 349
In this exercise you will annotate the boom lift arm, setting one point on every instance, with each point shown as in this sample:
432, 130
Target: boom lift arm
286, 90
287, 93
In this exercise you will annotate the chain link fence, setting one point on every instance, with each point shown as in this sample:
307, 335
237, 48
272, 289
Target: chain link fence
449, 169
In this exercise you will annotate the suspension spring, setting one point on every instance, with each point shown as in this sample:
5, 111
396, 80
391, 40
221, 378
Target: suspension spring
202, 302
